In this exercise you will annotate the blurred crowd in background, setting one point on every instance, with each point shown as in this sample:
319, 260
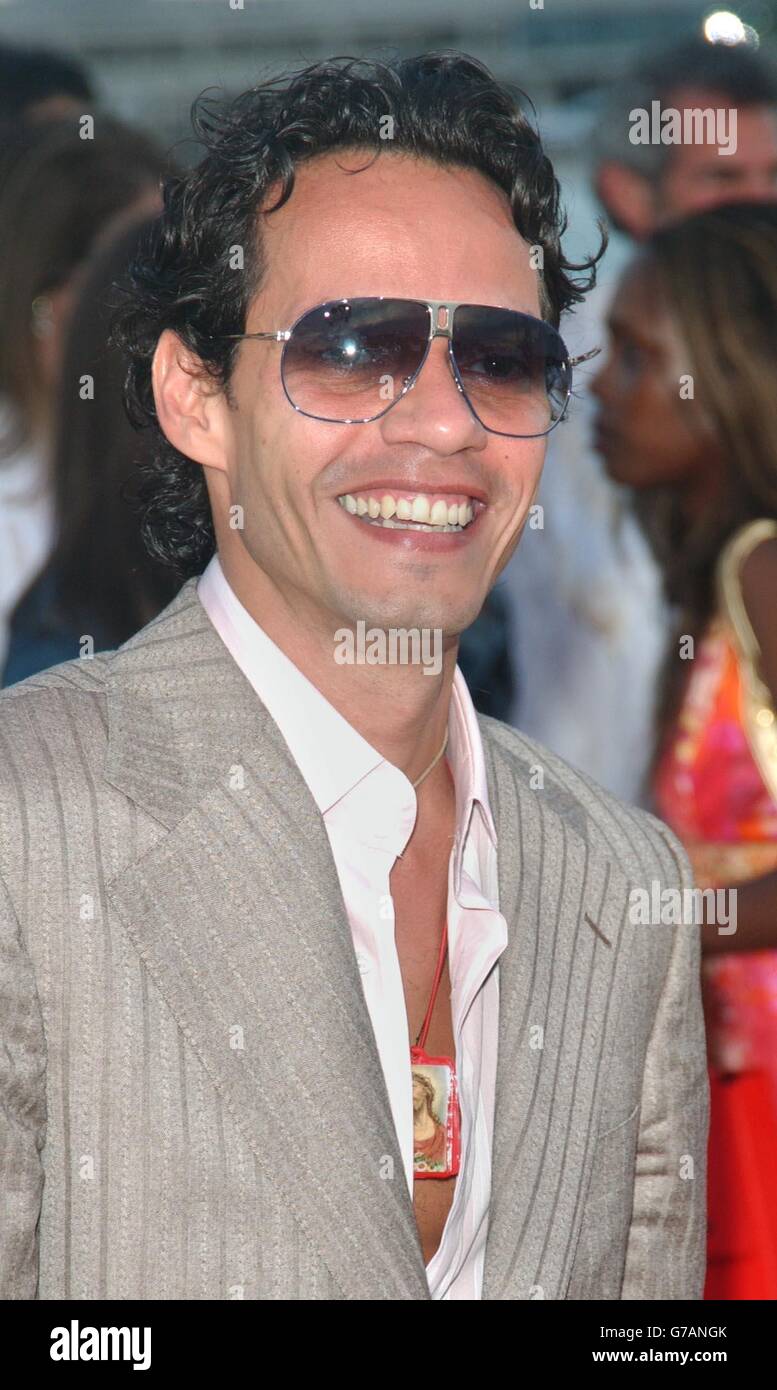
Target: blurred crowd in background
652, 502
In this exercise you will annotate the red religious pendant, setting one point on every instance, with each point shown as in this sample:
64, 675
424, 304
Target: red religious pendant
436, 1114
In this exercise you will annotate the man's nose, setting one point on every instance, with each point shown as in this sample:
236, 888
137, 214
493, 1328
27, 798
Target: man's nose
434, 411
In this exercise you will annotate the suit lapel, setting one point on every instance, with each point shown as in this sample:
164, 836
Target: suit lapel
238, 915
565, 906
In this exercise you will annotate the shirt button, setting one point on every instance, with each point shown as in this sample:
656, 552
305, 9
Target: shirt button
363, 962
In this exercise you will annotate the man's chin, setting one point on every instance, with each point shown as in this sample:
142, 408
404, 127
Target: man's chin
425, 614
428, 627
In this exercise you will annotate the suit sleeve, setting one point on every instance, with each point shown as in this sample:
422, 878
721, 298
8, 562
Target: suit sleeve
22, 1111
666, 1252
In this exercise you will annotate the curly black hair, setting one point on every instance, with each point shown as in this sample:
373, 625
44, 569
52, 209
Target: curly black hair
446, 107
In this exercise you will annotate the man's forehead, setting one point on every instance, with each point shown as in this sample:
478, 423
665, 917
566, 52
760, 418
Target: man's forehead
396, 218
366, 179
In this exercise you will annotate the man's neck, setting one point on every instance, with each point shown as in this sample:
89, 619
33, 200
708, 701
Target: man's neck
400, 709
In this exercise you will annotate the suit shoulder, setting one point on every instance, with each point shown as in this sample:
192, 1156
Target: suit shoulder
634, 835
73, 686
71, 680
46, 717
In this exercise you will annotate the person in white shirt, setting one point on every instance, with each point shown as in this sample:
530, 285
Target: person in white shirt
318, 877
393, 491
404, 523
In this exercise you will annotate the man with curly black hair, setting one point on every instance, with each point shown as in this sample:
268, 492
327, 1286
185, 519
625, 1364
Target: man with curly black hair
246, 898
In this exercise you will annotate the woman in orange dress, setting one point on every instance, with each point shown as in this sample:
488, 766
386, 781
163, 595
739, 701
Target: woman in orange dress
688, 421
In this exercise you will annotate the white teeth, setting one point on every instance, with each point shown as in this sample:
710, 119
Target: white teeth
421, 512
411, 525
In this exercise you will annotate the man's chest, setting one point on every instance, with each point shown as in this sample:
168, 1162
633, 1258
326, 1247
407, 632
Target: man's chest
420, 913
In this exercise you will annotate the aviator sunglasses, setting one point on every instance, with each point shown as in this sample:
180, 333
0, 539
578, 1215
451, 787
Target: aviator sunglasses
348, 361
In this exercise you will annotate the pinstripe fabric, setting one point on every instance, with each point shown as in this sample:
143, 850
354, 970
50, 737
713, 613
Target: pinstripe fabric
190, 1092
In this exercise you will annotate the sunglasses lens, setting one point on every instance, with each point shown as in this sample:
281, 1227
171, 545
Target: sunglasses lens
349, 359
514, 369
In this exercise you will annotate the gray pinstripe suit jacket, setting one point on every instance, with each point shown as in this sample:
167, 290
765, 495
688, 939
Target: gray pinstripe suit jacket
191, 1100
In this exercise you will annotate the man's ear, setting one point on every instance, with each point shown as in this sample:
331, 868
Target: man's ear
627, 197
190, 405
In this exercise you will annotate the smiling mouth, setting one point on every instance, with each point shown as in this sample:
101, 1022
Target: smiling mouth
413, 511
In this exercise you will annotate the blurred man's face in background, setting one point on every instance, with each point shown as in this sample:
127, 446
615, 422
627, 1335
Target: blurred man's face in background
695, 176
698, 177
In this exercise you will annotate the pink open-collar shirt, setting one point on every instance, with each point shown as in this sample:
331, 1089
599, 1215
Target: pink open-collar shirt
369, 808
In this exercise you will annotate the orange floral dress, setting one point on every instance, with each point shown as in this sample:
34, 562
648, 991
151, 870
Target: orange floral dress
716, 787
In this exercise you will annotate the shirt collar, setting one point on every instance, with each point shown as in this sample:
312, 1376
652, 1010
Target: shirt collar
465, 747
331, 755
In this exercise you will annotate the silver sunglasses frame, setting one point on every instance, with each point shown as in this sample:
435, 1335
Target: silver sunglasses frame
439, 309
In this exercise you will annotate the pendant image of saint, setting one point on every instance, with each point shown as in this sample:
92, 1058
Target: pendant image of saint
430, 1150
